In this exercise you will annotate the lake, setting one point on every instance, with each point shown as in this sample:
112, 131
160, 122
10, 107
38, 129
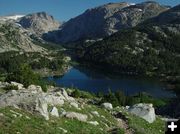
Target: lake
93, 81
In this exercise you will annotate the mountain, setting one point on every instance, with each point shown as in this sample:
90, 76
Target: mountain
14, 38
105, 20
39, 23
151, 48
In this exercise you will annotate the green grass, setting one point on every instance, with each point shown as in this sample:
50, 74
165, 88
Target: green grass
37, 125
108, 120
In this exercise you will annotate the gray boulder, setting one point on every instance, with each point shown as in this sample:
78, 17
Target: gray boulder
78, 116
54, 112
74, 104
145, 111
95, 113
107, 106
95, 123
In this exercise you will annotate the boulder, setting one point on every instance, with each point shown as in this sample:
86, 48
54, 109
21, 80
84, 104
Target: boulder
95, 113
19, 85
107, 106
54, 112
145, 111
95, 123
1, 114
74, 104
64, 130
78, 116
34, 88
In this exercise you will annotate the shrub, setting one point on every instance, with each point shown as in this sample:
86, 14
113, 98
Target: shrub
76, 93
82, 94
26, 76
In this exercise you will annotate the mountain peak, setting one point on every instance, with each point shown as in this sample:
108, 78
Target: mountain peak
39, 23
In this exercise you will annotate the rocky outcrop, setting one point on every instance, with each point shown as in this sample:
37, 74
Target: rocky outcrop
105, 20
39, 23
145, 111
34, 100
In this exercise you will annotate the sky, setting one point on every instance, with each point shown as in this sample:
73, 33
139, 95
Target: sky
62, 10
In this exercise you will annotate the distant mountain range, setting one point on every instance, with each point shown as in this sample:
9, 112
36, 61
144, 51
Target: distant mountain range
16, 31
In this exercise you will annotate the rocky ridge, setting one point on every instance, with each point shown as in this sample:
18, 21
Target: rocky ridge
105, 20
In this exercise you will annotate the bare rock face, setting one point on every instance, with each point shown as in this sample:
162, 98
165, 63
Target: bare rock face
39, 23
171, 16
105, 20
15, 38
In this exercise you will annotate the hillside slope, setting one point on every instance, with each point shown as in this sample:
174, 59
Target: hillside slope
14, 38
150, 48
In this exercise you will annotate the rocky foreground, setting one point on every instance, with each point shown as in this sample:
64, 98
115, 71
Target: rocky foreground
59, 107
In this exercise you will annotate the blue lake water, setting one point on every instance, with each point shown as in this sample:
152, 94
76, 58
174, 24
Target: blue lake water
92, 81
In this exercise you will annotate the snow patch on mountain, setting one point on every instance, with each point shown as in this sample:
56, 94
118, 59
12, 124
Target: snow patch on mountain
11, 17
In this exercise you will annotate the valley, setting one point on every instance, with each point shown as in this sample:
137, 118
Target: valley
113, 69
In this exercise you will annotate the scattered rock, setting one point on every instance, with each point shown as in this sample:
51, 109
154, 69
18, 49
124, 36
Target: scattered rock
93, 123
127, 107
74, 104
16, 113
1, 114
145, 111
27, 117
107, 106
95, 113
54, 112
64, 130
78, 116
